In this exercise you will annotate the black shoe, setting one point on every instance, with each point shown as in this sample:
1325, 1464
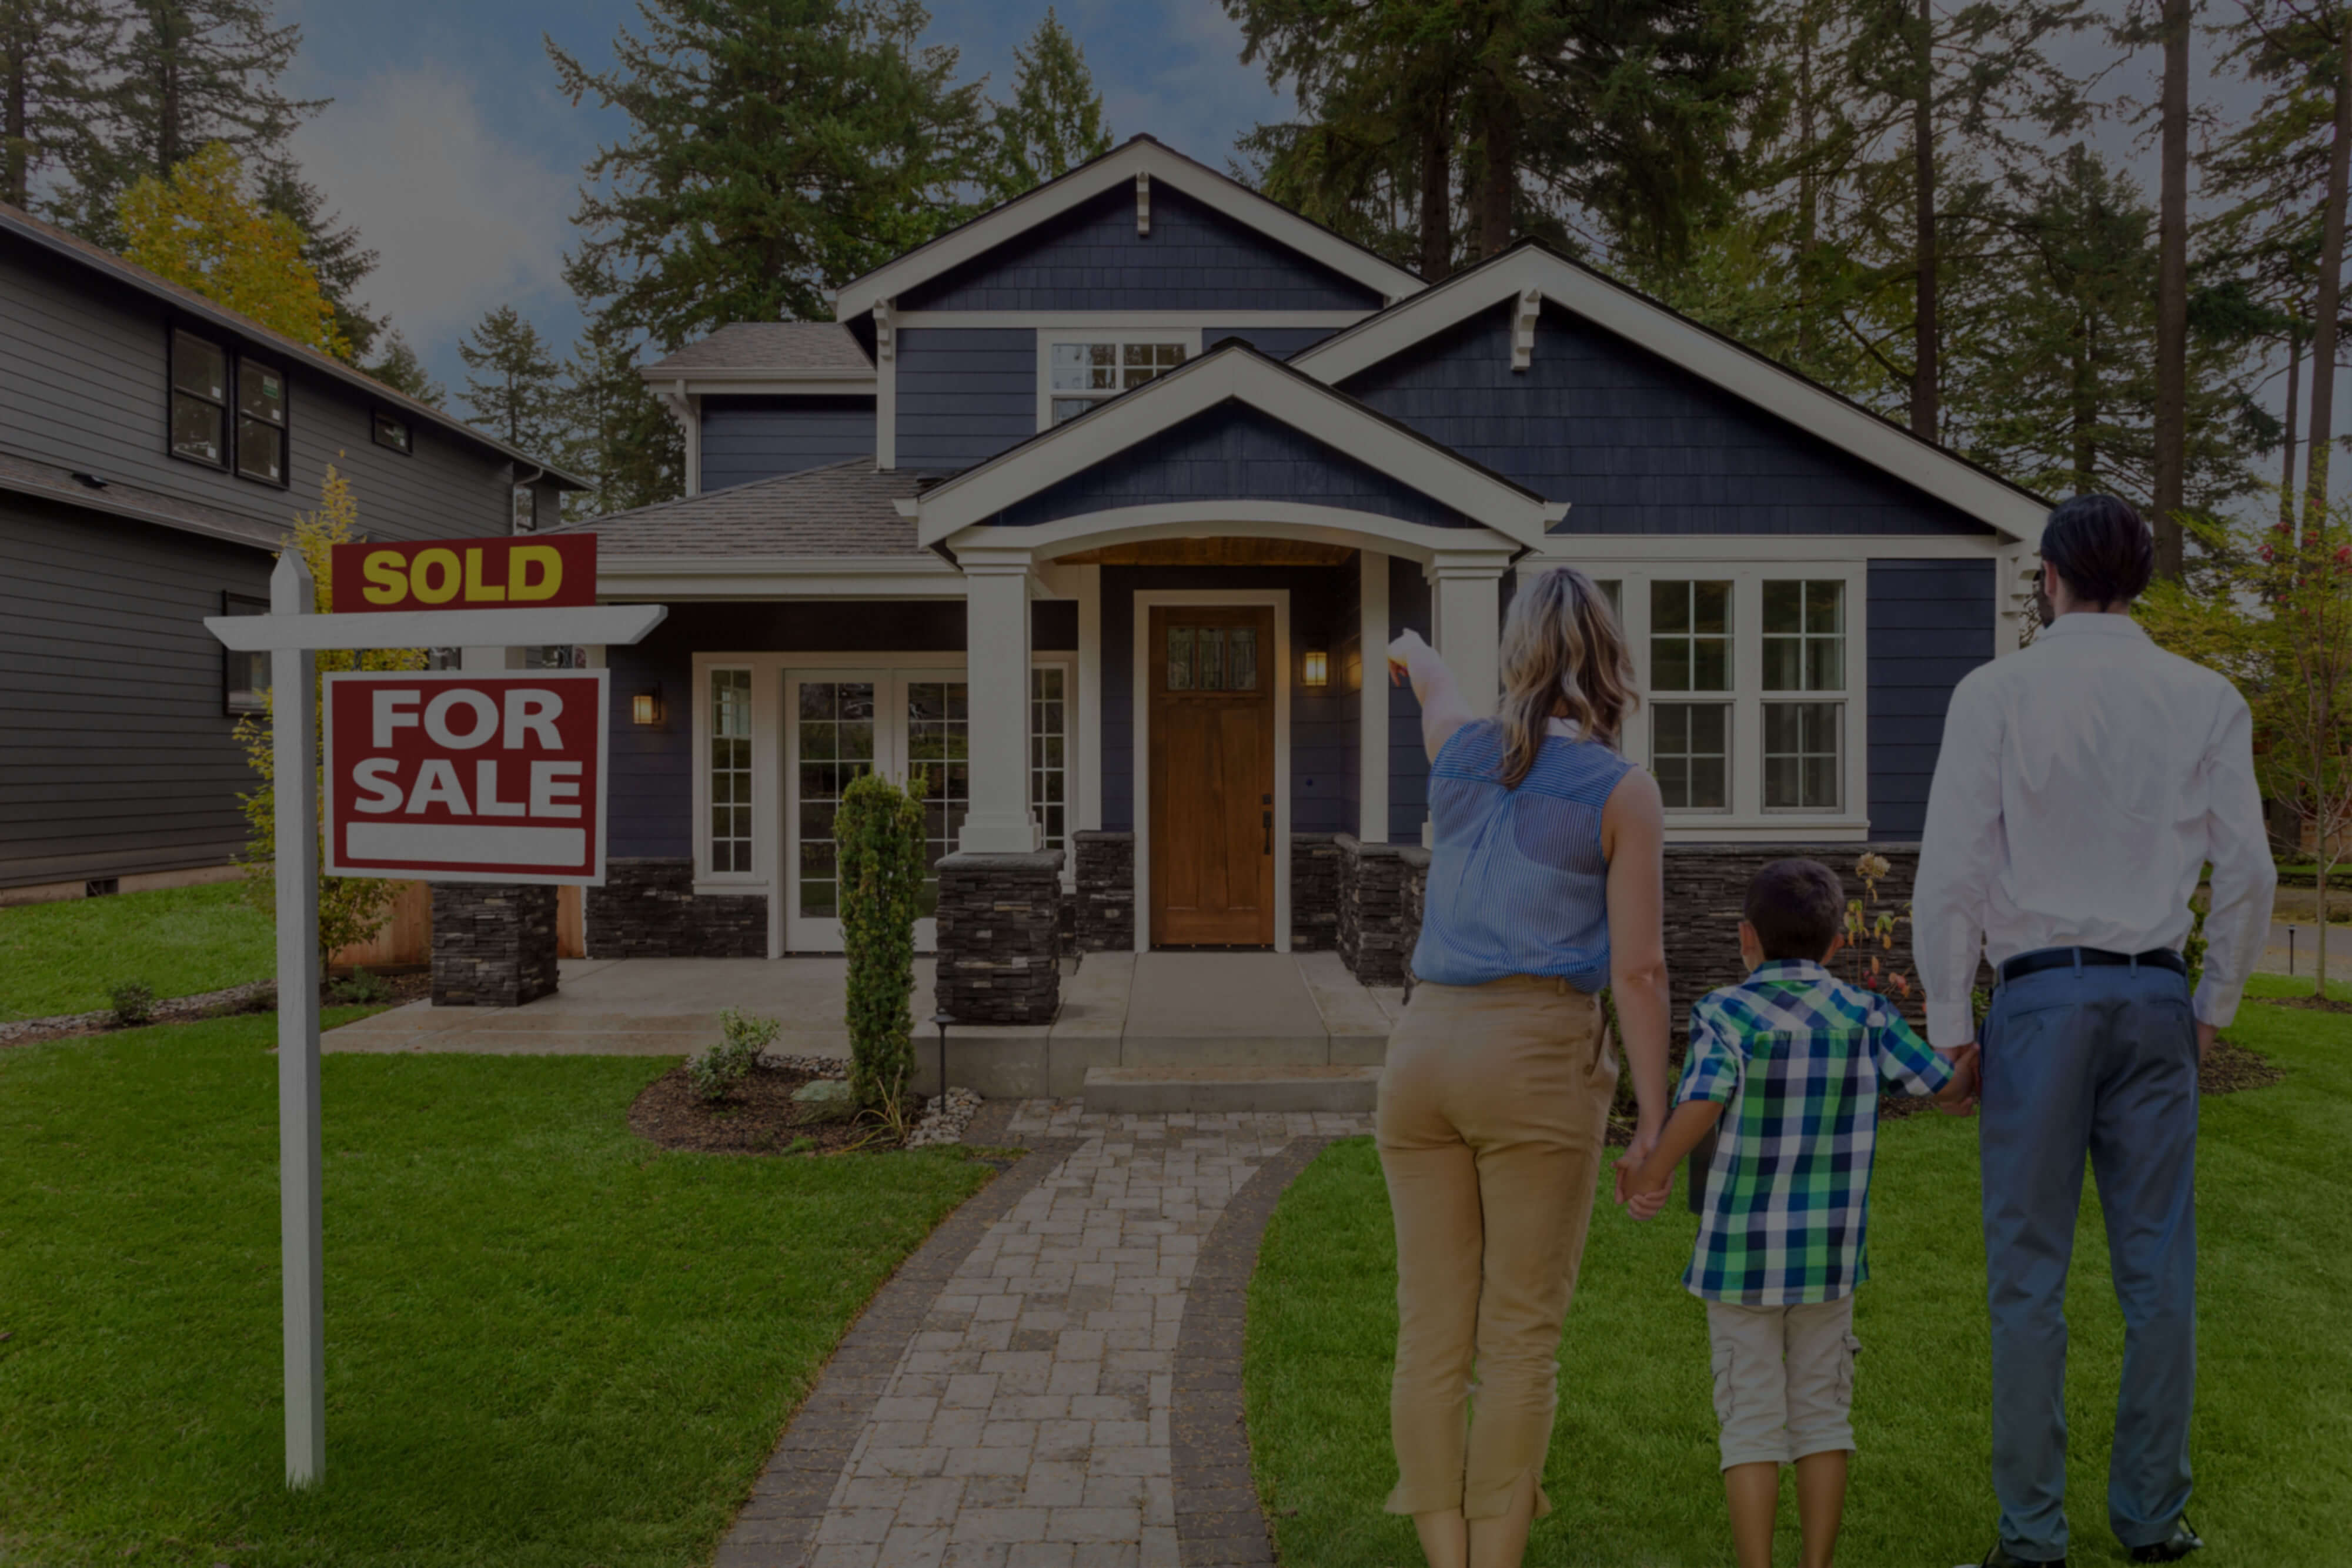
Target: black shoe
2002, 1557
2173, 1547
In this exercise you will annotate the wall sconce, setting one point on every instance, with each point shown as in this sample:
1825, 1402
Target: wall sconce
645, 707
1318, 669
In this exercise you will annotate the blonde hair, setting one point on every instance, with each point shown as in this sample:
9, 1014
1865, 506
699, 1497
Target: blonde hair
1563, 655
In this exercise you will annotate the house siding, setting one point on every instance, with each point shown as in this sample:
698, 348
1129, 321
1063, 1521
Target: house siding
1634, 443
119, 757
964, 394
1091, 259
747, 438
1931, 622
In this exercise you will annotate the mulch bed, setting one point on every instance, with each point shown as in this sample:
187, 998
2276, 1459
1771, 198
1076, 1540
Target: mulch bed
2310, 1004
2229, 1068
758, 1118
259, 997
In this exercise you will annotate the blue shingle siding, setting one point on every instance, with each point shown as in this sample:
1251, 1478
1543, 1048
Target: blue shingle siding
1409, 611
1091, 259
1931, 622
1274, 342
1232, 452
1634, 443
965, 393
747, 438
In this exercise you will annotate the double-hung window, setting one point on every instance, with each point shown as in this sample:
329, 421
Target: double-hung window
1690, 673
1082, 372
1804, 735
227, 409
199, 399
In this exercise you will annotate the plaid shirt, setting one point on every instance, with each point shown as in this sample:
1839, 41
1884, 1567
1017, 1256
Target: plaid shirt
1797, 1056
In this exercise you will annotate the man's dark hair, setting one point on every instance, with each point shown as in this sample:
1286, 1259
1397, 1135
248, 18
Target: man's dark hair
1797, 907
2101, 547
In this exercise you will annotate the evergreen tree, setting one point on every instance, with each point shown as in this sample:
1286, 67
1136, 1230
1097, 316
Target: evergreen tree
52, 93
776, 148
399, 368
1054, 121
333, 248
617, 434
513, 391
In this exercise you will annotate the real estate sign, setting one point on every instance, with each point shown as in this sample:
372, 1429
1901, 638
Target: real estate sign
530, 571
455, 777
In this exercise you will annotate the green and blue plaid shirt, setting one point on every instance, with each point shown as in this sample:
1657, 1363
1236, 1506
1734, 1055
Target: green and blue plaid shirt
1797, 1057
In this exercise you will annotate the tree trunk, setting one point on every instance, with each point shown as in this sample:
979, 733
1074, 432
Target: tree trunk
2086, 412
1808, 197
2294, 387
19, 172
1925, 373
1498, 183
2331, 283
2172, 299
1437, 196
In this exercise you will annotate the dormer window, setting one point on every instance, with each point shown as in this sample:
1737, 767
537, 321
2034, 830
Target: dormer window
1082, 372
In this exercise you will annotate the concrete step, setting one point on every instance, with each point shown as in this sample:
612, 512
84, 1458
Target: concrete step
1216, 1087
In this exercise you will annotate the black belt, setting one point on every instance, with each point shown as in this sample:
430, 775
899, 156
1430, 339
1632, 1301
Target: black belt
2033, 963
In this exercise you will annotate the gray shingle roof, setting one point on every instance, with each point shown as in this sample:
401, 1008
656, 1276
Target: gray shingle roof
26, 477
769, 346
842, 510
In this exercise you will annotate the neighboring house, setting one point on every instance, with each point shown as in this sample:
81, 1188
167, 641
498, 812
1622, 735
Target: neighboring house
1097, 512
153, 450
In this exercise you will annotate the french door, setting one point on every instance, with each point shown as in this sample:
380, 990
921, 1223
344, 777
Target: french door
840, 726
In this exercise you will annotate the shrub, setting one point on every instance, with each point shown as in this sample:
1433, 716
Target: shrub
361, 988
742, 1038
880, 832
133, 1003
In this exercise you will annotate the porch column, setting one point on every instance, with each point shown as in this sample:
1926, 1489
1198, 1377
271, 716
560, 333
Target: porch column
1466, 605
997, 670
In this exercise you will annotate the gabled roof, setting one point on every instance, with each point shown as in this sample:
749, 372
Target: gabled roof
1232, 372
793, 348
845, 510
1120, 166
80, 253
1614, 307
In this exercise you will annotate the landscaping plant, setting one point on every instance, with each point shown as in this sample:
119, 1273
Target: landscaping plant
742, 1038
133, 1003
880, 832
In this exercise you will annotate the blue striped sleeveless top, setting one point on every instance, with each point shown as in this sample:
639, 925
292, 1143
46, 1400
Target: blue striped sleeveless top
1517, 882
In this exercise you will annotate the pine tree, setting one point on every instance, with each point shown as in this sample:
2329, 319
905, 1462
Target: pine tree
617, 434
1054, 121
776, 148
399, 368
515, 394
52, 94
333, 248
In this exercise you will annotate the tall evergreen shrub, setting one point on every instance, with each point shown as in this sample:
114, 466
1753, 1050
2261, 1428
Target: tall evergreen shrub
879, 831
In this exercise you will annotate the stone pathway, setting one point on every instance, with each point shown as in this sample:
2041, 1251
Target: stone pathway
1053, 1381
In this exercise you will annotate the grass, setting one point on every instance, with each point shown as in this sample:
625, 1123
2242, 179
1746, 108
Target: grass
1633, 1473
548, 1344
65, 957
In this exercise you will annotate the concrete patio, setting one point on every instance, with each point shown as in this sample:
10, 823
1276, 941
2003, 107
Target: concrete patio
1157, 1032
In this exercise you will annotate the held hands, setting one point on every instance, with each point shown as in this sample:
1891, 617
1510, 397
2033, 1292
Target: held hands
1959, 1096
1644, 1181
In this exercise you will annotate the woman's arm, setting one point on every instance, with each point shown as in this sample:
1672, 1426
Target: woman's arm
1443, 711
1633, 838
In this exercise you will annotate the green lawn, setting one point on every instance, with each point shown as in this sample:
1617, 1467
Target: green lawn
549, 1345
65, 957
1633, 1474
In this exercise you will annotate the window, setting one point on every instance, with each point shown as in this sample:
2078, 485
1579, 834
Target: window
199, 401
245, 678
835, 749
526, 509
1804, 650
395, 432
1690, 650
939, 754
731, 771
260, 421
555, 656
1084, 374
1049, 738
1211, 658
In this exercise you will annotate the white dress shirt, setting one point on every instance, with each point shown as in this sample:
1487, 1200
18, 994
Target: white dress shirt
2084, 784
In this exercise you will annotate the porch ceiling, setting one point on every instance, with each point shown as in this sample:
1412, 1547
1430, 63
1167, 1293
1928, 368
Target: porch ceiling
1224, 551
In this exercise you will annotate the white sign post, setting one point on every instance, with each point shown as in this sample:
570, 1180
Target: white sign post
291, 634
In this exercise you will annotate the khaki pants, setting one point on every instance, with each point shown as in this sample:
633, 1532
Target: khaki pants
1493, 1112
1783, 1379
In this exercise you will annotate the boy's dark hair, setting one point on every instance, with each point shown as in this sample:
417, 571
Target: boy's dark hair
2101, 547
1797, 907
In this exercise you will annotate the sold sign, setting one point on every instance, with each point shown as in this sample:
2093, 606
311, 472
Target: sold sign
545, 571
451, 777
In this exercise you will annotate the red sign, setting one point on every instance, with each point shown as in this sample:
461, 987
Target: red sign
448, 777
534, 572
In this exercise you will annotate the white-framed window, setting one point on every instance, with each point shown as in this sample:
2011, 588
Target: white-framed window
1050, 761
1805, 645
729, 773
1080, 368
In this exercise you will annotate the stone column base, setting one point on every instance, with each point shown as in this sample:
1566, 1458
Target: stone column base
1105, 892
999, 921
1313, 893
493, 944
1373, 942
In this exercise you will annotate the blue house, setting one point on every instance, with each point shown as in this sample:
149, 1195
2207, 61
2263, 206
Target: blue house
1097, 512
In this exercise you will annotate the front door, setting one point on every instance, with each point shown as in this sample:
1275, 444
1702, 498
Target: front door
1212, 683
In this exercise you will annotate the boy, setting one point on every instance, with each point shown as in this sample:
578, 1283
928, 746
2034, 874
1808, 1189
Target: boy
1791, 1061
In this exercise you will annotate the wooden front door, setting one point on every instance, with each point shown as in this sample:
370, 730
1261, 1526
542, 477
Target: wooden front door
1212, 683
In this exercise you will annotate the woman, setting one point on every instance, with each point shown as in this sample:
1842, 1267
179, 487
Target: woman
1545, 884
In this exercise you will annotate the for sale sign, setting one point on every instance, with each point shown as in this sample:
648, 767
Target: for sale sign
452, 776
542, 571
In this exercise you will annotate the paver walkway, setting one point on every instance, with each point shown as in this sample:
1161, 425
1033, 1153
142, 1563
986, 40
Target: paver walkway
1048, 1405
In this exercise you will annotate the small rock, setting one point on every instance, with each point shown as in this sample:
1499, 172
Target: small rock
826, 1099
944, 1122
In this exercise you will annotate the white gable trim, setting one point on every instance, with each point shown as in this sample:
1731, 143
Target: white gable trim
1230, 376
1116, 169
1740, 372
1417, 542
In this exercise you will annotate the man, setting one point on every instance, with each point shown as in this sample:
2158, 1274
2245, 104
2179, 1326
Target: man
2084, 784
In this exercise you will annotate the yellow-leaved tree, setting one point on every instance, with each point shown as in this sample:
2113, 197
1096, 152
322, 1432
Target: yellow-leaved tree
203, 229
350, 908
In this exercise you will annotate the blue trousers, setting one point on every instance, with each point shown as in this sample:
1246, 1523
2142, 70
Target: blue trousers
2099, 1062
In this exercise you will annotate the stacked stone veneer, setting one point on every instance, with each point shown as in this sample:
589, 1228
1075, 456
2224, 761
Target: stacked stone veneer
648, 909
1104, 903
493, 944
1315, 877
999, 919
1374, 940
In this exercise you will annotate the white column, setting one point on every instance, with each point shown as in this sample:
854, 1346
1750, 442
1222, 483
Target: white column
1466, 604
294, 696
996, 655
1373, 719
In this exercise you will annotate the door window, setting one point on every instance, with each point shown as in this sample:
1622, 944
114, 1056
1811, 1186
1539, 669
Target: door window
835, 740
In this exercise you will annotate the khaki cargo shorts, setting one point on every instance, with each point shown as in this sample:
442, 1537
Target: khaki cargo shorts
1783, 1379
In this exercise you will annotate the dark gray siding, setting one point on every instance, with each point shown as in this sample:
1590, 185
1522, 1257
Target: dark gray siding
85, 387
1633, 443
1931, 622
1232, 452
965, 393
1091, 259
1409, 611
1277, 343
747, 438
115, 755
